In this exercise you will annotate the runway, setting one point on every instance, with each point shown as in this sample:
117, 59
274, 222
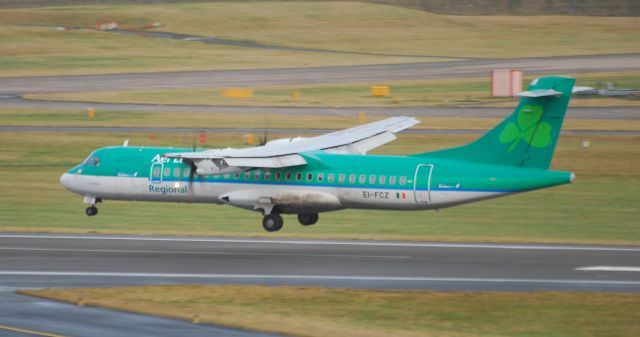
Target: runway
60, 260
77, 260
317, 75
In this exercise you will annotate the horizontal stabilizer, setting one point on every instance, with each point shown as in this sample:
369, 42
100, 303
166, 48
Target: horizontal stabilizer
538, 93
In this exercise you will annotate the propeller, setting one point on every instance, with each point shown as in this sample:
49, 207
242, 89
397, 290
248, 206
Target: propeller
192, 169
264, 137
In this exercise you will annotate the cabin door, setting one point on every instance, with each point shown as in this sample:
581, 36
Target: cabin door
422, 183
155, 175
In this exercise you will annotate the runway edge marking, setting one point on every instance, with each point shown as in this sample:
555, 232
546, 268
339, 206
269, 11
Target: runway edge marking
609, 268
312, 277
331, 242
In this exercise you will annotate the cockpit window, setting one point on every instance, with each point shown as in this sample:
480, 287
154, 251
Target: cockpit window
92, 161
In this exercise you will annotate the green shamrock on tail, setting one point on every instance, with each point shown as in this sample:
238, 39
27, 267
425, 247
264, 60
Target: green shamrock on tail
528, 117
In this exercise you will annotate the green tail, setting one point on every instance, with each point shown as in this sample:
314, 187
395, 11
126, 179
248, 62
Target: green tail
528, 137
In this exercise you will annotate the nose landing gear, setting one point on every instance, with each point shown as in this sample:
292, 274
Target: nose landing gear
91, 211
91, 201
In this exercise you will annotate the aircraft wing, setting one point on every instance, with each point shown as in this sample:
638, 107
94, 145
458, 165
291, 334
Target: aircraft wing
285, 152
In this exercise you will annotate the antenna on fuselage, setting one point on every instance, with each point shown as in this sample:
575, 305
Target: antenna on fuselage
125, 143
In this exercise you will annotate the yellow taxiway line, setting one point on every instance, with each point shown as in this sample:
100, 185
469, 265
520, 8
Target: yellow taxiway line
30, 332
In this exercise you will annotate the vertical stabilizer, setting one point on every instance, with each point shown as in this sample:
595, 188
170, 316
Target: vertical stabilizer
528, 137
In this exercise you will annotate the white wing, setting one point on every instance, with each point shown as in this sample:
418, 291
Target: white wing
285, 152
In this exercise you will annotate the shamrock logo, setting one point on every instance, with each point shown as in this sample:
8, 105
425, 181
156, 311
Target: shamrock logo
528, 118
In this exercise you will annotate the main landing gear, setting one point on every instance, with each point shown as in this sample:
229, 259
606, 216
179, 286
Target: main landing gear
272, 222
308, 219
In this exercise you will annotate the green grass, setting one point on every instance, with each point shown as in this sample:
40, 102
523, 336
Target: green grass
30, 51
78, 118
311, 312
458, 92
600, 207
356, 27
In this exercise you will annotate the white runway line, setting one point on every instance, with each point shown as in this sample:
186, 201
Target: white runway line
311, 277
329, 242
120, 251
609, 268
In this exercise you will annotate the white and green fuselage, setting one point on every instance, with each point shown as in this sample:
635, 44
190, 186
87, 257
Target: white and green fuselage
513, 157
328, 182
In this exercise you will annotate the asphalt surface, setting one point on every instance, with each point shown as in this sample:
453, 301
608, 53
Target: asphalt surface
44, 316
317, 75
86, 260
13, 101
39, 261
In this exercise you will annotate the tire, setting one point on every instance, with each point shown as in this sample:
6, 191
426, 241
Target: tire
272, 222
308, 219
91, 211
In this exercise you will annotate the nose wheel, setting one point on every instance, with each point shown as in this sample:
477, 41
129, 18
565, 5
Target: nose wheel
272, 222
91, 211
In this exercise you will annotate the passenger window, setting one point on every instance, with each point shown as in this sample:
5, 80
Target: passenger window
156, 172
278, 175
362, 179
298, 176
403, 180
320, 177
267, 175
247, 175
352, 179
167, 172
341, 178
236, 175
382, 180
176, 172
392, 180
288, 176
186, 172
331, 177
372, 179
309, 176
257, 174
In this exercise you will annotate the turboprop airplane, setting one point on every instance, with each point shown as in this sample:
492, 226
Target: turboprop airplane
306, 176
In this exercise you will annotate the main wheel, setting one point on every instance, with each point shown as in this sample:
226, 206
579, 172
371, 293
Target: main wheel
308, 219
91, 211
272, 222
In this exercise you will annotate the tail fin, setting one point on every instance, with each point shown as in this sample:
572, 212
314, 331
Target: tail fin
528, 137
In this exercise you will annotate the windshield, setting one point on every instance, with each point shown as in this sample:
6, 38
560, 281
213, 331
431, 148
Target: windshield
92, 160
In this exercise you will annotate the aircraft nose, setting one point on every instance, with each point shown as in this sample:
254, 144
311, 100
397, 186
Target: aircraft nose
64, 180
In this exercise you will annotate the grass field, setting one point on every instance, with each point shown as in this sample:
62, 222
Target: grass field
311, 312
600, 207
30, 51
355, 27
222, 119
450, 92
